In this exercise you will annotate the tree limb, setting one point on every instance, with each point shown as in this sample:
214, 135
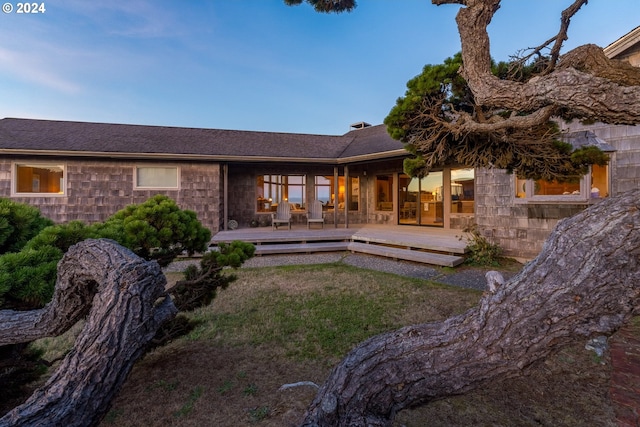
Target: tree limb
585, 281
579, 93
125, 302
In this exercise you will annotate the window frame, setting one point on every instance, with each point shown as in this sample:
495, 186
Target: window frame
352, 189
583, 197
280, 184
138, 187
40, 165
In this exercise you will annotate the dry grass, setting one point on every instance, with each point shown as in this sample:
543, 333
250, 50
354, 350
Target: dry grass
262, 332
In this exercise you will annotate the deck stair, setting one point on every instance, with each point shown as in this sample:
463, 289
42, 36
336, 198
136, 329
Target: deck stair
432, 247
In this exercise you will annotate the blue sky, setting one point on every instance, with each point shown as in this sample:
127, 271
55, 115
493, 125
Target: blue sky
252, 64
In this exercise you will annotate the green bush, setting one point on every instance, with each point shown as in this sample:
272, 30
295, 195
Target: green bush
28, 277
18, 224
481, 252
62, 236
155, 230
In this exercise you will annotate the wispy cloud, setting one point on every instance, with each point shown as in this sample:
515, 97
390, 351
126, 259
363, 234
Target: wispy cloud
34, 68
129, 18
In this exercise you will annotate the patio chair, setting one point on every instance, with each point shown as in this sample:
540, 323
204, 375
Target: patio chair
282, 215
315, 214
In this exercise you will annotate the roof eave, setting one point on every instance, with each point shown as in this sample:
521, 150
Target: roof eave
374, 156
164, 156
623, 43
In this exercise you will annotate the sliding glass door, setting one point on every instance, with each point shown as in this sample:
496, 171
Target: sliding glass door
421, 200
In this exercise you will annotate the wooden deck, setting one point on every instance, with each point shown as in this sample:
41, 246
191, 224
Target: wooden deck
419, 244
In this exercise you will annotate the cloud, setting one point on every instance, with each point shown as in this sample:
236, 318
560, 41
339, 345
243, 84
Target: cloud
129, 18
35, 68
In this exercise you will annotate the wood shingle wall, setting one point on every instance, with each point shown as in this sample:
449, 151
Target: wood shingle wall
520, 229
96, 189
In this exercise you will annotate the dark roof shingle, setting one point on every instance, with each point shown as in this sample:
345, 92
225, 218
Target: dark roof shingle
103, 138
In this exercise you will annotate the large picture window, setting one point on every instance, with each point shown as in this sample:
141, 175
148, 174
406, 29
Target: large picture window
157, 177
325, 192
594, 185
275, 189
38, 178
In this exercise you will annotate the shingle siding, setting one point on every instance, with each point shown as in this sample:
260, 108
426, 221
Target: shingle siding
96, 189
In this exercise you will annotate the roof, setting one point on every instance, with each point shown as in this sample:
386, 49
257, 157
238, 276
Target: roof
48, 137
586, 138
623, 44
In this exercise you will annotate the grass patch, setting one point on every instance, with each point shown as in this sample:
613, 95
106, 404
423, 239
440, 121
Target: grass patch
316, 322
187, 408
283, 325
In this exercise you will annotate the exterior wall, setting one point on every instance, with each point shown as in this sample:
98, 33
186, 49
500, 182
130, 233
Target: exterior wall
242, 196
520, 228
96, 189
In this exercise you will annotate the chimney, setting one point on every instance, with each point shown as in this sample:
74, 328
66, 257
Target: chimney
360, 125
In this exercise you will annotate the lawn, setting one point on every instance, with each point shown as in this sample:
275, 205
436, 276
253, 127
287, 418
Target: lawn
283, 325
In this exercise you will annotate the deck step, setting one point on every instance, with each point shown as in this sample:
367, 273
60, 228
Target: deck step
366, 248
407, 254
429, 243
289, 248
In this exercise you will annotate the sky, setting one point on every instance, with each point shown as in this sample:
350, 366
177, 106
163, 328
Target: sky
252, 64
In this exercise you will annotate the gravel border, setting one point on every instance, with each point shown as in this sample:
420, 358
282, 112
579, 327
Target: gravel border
472, 278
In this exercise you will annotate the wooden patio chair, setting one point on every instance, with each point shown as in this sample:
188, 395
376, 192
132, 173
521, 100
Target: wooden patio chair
282, 215
315, 214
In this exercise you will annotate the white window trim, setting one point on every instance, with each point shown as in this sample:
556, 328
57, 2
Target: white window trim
14, 178
583, 197
135, 177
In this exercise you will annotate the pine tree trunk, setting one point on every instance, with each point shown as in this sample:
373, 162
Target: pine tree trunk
124, 301
585, 281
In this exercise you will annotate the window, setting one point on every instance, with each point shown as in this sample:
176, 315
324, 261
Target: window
594, 185
274, 189
157, 177
384, 192
324, 191
462, 190
38, 178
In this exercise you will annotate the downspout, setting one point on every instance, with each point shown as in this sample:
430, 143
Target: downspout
225, 195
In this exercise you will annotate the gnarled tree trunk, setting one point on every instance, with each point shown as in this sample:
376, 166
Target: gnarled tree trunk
123, 298
585, 281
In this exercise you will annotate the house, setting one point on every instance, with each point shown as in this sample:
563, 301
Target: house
88, 171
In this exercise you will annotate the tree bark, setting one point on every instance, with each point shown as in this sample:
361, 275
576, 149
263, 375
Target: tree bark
582, 93
585, 281
123, 298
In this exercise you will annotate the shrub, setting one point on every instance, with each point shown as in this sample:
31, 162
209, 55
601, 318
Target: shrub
18, 224
157, 229
480, 250
28, 277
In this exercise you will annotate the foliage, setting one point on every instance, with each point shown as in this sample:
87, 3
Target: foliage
326, 6
27, 278
200, 285
439, 99
19, 222
157, 229
481, 252
62, 236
